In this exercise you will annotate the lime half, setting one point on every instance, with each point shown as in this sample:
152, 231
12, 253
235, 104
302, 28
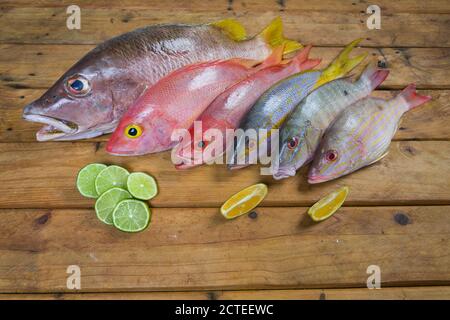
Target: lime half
107, 202
142, 185
131, 215
86, 179
111, 177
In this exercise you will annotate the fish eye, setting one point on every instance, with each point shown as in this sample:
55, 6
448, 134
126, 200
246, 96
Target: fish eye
331, 155
292, 143
78, 85
133, 131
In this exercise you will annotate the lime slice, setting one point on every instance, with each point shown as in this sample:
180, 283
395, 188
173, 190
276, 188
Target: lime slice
107, 202
111, 177
142, 185
131, 215
86, 179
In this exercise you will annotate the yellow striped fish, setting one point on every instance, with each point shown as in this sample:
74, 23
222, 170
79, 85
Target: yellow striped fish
301, 133
361, 135
275, 105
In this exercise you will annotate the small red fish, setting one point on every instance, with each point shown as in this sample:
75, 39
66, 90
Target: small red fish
230, 107
175, 102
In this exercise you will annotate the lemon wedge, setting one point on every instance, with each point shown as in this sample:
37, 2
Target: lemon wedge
244, 201
325, 207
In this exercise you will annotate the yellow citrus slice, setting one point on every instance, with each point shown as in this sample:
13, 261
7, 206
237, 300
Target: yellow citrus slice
325, 207
244, 201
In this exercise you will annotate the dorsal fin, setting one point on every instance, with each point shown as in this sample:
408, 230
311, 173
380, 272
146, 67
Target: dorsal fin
232, 28
341, 65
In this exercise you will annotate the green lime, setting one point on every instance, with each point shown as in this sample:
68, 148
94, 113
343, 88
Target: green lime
86, 179
111, 177
131, 215
107, 202
142, 185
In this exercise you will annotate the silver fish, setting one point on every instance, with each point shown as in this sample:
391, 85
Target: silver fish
301, 133
361, 135
90, 98
273, 107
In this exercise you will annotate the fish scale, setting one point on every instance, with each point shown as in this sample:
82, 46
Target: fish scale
361, 135
173, 103
232, 105
270, 111
310, 118
115, 73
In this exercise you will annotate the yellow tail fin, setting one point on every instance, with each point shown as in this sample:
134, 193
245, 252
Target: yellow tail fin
341, 65
232, 28
273, 36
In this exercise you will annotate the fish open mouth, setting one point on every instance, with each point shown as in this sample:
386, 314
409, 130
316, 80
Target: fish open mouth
54, 128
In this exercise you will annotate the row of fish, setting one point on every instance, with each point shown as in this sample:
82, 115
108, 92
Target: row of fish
145, 84
91, 97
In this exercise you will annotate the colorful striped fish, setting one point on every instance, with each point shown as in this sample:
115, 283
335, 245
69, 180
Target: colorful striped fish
301, 133
272, 108
361, 135
226, 111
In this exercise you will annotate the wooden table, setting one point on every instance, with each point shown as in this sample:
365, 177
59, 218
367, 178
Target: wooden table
397, 215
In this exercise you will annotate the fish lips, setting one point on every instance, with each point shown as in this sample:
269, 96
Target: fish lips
318, 178
54, 128
284, 172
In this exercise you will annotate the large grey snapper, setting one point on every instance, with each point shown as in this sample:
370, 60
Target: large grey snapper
273, 107
361, 135
90, 98
301, 133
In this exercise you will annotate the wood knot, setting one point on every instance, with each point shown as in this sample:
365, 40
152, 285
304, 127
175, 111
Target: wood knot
402, 219
43, 219
212, 295
97, 146
253, 215
409, 150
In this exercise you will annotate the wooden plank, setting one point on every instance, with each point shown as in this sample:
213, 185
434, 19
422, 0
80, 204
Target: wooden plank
42, 175
410, 6
39, 66
330, 28
187, 249
429, 122
394, 293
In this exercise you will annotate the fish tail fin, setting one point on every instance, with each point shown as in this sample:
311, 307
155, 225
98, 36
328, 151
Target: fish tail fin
232, 28
412, 98
273, 36
275, 58
373, 76
302, 61
341, 65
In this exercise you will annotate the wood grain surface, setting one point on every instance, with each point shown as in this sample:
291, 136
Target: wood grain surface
198, 249
391, 293
47, 25
397, 215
